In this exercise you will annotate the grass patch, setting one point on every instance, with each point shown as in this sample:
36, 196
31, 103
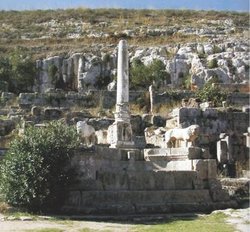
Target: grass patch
91, 230
45, 230
211, 223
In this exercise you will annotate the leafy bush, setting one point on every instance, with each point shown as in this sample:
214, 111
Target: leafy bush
18, 70
139, 74
35, 172
5, 72
186, 81
3, 86
212, 93
212, 63
144, 76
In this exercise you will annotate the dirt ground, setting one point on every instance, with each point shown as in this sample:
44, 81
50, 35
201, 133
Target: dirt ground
240, 218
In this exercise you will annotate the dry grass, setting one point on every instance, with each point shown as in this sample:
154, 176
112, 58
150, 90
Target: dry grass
57, 24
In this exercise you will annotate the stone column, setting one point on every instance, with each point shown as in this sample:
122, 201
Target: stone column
79, 77
120, 132
122, 93
151, 96
224, 148
122, 74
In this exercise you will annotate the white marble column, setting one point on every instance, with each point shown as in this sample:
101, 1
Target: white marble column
120, 133
122, 74
122, 93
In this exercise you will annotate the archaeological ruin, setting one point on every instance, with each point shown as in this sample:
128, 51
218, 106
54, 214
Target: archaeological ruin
174, 170
188, 159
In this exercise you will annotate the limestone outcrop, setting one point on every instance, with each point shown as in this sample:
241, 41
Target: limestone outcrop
227, 60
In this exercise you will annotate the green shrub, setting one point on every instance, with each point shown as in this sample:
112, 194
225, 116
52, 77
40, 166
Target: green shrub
212, 63
35, 173
144, 76
139, 74
5, 72
18, 70
23, 71
212, 93
157, 71
3, 86
186, 81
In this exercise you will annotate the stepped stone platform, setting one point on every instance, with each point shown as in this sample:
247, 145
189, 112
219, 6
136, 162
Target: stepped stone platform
128, 181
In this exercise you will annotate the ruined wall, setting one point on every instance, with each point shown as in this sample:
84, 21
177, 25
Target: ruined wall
114, 181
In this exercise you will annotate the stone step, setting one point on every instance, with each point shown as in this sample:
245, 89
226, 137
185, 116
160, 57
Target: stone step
91, 198
141, 202
139, 180
149, 180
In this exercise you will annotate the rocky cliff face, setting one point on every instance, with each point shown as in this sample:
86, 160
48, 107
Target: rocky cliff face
228, 61
77, 72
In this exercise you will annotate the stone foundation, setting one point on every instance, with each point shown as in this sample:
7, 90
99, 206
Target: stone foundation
132, 181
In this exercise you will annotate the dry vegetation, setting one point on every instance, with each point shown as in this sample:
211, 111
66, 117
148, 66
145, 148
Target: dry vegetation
49, 32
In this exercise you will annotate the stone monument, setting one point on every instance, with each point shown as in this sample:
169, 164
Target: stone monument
120, 132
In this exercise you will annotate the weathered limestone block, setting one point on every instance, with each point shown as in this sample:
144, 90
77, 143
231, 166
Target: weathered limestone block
206, 169
155, 136
36, 111
120, 135
76, 116
140, 142
190, 115
101, 136
210, 113
100, 123
137, 124
223, 149
218, 194
92, 71
181, 153
246, 109
6, 126
26, 99
236, 187
6, 96
158, 121
240, 121
44, 79
172, 123
116, 202
52, 113
247, 135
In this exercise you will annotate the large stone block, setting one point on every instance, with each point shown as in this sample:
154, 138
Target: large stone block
52, 113
6, 126
206, 169
189, 114
137, 124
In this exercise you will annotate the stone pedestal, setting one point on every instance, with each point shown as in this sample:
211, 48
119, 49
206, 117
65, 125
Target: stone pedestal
120, 135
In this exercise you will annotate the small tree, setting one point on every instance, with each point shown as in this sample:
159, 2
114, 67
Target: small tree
34, 173
157, 71
139, 74
144, 76
5, 73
